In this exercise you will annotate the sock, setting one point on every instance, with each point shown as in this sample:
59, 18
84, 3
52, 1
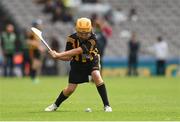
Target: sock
102, 91
60, 99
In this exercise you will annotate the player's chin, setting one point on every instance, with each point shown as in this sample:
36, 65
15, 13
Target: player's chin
83, 38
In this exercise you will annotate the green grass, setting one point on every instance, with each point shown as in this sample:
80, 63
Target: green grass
151, 98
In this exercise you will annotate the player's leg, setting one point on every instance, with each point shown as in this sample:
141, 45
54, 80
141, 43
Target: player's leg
129, 72
163, 67
5, 65
62, 97
158, 67
11, 65
65, 93
32, 70
96, 76
135, 65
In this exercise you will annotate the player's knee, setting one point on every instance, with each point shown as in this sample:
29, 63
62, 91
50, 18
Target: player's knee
70, 90
97, 78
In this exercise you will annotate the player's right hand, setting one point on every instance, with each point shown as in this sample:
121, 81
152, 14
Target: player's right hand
53, 54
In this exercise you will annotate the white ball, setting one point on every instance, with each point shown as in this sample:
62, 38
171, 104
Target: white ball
88, 110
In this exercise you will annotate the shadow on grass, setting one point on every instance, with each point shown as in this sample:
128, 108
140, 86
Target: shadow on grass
64, 111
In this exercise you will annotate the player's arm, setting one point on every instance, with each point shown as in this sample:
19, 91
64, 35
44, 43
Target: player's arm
71, 52
65, 58
55, 54
66, 55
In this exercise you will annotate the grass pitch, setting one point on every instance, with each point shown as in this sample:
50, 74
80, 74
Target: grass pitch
150, 98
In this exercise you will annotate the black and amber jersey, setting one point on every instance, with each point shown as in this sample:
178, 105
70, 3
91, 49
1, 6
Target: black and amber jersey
88, 46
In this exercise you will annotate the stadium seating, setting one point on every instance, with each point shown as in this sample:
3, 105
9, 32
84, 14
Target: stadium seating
155, 17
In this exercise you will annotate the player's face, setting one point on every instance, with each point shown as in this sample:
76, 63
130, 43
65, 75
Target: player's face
83, 35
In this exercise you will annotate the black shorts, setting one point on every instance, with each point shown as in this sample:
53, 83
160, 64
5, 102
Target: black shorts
80, 72
37, 54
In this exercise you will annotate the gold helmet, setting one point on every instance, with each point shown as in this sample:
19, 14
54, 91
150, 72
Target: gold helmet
83, 25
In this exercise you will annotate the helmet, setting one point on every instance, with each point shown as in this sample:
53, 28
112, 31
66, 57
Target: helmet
83, 25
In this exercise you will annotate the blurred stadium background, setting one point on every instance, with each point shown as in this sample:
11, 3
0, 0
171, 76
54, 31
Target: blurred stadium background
132, 98
152, 18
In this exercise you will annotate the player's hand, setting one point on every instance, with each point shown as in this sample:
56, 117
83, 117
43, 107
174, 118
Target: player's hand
54, 54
